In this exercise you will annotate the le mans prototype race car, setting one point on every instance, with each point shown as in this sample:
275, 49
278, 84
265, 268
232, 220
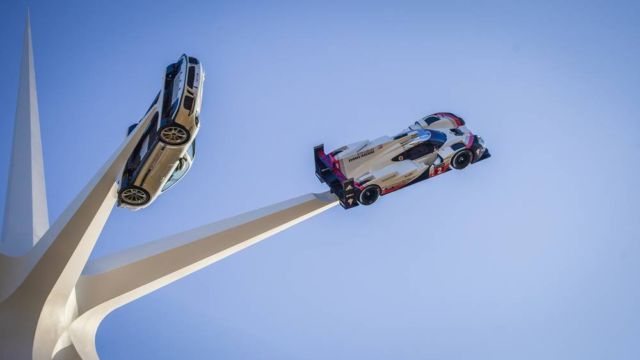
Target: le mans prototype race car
167, 149
360, 173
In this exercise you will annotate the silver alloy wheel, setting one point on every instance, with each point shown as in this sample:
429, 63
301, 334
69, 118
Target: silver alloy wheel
134, 196
174, 135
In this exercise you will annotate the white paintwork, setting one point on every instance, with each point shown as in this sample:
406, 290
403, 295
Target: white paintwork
52, 301
26, 217
378, 162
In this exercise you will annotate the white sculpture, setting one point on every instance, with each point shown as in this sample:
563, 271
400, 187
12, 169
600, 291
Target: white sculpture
51, 300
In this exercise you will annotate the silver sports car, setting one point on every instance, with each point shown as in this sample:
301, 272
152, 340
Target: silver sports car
362, 172
167, 149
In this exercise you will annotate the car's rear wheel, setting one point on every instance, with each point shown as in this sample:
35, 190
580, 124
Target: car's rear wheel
369, 195
134, 195
174, 134
462, 159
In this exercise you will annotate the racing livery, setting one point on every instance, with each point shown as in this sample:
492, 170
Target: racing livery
361, 172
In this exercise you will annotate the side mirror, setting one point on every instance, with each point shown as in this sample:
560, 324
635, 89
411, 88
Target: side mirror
131, 128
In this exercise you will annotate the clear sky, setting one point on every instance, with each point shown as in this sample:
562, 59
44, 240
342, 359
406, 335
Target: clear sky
532, 254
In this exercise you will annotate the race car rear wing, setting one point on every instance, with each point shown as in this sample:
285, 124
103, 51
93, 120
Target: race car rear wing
345, 189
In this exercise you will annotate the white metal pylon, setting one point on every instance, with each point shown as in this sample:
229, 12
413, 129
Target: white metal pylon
26, 217
51, 300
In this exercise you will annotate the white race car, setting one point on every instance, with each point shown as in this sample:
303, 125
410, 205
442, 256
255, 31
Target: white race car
360, 173
167, 149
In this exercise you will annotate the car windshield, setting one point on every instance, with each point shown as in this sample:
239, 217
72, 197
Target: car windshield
415, 126
173, 87
178, 173
437, 138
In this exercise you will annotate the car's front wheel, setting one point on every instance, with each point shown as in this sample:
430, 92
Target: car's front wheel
369, 195
134, 195
174, 134
462, 159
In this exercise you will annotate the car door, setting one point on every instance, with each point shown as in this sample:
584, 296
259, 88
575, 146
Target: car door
180, 170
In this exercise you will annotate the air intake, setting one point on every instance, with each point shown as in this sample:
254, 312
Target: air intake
188, 102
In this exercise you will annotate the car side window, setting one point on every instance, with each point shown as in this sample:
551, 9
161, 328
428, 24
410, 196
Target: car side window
416, 152
153, 129
420, 150
144, 146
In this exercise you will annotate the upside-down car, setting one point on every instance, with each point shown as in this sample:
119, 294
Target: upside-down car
167, 149
360, 173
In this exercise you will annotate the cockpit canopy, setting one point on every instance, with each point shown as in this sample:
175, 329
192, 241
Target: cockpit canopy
437, 138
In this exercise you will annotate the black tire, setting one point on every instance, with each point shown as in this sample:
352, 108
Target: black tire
134, 196
462, 159
369, 195
174, 134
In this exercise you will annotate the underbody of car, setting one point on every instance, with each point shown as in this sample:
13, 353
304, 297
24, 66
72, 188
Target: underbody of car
361, 172
167, 149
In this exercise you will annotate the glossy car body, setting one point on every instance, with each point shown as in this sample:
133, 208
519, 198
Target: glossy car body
167, 149
361, 172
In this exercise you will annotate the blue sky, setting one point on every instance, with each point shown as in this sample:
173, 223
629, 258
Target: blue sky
533, 254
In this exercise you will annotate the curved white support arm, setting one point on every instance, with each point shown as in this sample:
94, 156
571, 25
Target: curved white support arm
38, 285
113, 281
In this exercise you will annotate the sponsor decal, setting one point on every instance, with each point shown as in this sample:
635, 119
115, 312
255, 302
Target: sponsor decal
397, 186
362, 154
437, 170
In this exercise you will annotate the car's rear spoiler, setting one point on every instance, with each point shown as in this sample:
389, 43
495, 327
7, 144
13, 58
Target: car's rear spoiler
343, 188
